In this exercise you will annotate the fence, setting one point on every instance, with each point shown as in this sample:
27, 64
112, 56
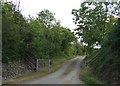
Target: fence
22, 66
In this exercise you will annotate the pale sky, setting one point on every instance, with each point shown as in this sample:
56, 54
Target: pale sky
61, 8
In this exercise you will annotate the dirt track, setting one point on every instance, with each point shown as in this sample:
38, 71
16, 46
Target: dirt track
59, 77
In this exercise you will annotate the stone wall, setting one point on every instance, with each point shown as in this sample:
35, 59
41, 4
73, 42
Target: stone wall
20, 67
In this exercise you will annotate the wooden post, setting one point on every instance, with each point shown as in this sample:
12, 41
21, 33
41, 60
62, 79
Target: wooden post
49, 65
36, 65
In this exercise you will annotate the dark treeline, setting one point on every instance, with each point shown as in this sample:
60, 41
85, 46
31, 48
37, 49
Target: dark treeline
40, 37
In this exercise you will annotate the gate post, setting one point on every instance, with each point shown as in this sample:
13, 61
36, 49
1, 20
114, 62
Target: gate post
36, 65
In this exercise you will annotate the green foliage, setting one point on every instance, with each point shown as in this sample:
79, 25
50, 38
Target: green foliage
94, 21
78, 49
88, 77
40, 37
9, 39
46, 17
107, 58
97, 25
112, 46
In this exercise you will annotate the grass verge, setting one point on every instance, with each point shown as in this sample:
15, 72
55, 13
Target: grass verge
89, 78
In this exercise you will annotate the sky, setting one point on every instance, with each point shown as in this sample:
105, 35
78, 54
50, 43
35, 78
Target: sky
61, 8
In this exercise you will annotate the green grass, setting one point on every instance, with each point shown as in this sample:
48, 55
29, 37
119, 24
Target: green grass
89, 78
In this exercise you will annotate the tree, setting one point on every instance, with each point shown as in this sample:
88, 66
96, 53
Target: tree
46, 17
93, 22
41, 37
10, 40
17, 35
50, 42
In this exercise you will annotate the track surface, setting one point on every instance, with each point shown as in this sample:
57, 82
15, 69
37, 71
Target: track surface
59, 77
